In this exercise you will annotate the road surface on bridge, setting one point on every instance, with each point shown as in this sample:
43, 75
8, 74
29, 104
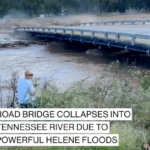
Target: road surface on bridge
131, 29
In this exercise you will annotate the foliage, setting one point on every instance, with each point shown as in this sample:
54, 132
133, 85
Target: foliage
129, 139
52, 7
105, 92
36, 7
3, 6
11, 84
114, 66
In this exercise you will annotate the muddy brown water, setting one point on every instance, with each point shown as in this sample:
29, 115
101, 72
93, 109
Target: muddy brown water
46, 62
62, 62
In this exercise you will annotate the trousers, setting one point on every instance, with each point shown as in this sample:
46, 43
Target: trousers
30, 104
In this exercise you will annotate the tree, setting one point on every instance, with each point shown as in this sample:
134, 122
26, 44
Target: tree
2, 11
52, 7
3, 6
36, 7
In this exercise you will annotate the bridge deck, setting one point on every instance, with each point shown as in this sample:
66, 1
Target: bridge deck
131, 29
128, 35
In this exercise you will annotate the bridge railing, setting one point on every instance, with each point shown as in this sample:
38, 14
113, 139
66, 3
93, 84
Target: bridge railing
122, 22
105, 35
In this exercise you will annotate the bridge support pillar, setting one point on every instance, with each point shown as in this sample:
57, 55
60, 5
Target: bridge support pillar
81, 34
108, 45
117, 37
99, 47
64, 32
126, 47
93, 33
105, 36
49, 31
72, 33
133, 40
148, 52
93, 42
55, 31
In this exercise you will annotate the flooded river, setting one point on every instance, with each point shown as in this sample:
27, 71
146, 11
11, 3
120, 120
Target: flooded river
62, 66
63, 63
58, 61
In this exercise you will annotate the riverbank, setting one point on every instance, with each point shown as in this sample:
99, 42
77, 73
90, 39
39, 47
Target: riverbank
7, 24
103, 93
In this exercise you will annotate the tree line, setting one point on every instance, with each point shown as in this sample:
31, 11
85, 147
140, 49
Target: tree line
47, 7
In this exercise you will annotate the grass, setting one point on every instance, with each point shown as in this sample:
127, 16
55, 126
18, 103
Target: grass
106, 92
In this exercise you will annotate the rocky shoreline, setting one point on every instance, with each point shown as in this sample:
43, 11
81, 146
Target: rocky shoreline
23, 43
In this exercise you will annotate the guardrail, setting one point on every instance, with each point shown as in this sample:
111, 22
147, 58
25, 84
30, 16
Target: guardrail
122, 22
81, 32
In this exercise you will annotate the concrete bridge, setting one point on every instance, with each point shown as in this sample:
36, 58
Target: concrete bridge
130, 35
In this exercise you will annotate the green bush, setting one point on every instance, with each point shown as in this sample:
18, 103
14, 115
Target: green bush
106, 92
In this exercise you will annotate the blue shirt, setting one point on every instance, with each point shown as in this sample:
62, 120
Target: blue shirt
25, 88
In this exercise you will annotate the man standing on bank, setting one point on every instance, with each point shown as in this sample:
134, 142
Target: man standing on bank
26, 91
